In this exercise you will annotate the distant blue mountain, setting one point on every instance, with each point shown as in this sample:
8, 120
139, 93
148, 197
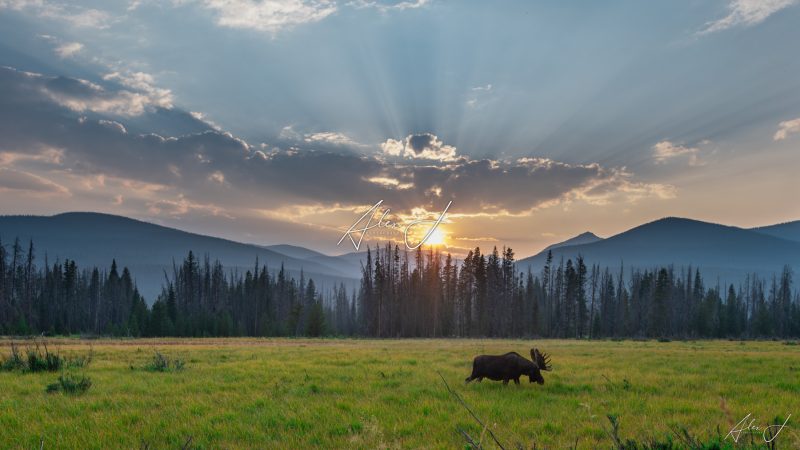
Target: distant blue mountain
718, 250
149, 250
295, 251
583, 238
348, 264
788, 230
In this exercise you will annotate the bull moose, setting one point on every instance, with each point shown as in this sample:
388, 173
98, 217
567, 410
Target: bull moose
510, 366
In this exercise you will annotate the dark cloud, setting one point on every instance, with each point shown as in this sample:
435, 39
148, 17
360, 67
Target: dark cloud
214, 167
420, 142
420, 146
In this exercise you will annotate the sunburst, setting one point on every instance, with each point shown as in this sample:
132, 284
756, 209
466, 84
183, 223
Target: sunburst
437, 237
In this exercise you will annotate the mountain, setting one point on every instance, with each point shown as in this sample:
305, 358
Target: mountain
148, 250
718, 250
583, 238
295, 251
788, 230
348, 264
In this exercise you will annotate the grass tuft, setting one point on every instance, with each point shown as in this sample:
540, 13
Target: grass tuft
36, 359
161, 363
39, 358
14, 361
70, 384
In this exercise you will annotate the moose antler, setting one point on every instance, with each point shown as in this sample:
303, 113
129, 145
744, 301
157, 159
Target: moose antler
542, 360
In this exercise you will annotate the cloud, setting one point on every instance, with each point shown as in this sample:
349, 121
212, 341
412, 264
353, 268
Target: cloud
478, 96
386, 6
19, 181
420, 146
390, 182
63, 49
144, 83
88, 18
68, 49
332, 138
665, 150
786, 128
746, 13
85, 96
181, 207
73, 15
114, 125
196, 173
142, 92
274, 16
269, 16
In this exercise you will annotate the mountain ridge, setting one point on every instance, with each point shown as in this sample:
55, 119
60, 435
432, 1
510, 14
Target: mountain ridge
584, 238
147, 249
784, 230
722, 251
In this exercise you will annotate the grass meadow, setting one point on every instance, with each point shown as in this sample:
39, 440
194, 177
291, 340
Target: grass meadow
328, 393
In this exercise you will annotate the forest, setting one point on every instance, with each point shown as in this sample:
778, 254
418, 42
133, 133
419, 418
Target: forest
421, 294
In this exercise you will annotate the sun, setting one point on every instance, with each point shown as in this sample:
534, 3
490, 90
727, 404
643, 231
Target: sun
437, 237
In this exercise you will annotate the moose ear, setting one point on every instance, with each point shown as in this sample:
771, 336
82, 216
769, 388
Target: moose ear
533, 355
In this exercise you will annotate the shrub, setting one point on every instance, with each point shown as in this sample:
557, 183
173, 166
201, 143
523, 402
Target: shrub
161, 363
69, 384
44, 362
39, 358
14, 361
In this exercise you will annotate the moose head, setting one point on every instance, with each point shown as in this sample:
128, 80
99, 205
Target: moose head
541, 361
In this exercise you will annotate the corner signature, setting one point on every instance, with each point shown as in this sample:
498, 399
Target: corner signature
385, 223
749, 427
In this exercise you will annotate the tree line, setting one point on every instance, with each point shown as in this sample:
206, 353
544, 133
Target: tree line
430, 295
401, 294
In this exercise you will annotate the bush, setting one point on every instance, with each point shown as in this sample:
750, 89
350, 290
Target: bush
39, 358
69, 384
14, 361
161, 363
44, 362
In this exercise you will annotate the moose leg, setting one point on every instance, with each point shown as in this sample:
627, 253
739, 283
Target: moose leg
505, 382
516, 380
468, 379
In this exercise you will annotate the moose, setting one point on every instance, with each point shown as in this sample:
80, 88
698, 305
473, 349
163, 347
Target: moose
510, 366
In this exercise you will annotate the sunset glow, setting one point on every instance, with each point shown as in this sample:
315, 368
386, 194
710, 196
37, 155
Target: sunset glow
437, 237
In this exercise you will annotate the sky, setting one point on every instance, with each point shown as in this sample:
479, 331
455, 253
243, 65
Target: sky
283, 121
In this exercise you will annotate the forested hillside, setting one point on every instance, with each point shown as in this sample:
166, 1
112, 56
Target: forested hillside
148, 249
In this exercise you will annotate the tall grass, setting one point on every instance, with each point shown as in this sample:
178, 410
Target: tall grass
37, 357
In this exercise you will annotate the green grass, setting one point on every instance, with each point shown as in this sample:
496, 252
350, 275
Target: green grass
249, 393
